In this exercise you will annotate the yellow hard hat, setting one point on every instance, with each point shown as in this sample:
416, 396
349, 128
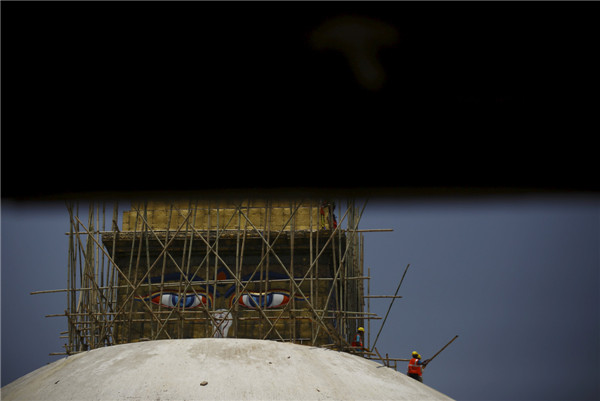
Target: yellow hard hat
361, 329
416, 354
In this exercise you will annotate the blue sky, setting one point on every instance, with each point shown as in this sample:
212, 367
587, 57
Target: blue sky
516, 277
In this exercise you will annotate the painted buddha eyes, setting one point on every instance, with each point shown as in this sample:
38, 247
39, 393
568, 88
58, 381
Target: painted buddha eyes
174, 300
248, 300
274, 299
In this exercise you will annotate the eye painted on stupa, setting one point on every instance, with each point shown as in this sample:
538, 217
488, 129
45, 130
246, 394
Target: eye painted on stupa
176, 300
264, 300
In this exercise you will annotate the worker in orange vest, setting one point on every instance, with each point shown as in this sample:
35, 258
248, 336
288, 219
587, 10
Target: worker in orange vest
416, 366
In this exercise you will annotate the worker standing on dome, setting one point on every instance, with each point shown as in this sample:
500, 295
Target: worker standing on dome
359, 339
415, 366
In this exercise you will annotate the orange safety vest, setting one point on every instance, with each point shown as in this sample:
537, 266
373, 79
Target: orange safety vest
413, 368
357, 341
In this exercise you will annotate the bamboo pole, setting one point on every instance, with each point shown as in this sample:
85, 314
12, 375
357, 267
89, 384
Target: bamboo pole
291, 277
226, 281
390, 307
369, 309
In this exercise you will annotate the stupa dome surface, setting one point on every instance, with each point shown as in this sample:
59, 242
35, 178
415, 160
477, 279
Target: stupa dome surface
216, 369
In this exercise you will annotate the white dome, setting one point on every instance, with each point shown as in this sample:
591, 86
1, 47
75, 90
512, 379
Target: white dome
216, 369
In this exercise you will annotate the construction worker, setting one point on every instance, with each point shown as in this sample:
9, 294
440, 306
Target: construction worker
322, 214
358, 339
330, 207
415, 367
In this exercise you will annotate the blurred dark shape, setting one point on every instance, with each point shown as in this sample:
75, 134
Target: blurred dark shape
359, 39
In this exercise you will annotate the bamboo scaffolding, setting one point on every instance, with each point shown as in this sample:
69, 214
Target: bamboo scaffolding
117, 270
